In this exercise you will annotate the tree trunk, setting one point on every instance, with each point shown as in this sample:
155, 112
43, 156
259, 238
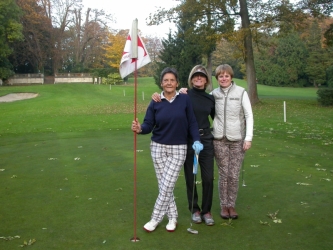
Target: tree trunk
210, 87
249, 59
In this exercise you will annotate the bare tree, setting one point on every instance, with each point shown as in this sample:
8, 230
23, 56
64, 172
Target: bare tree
59, 12
89, 36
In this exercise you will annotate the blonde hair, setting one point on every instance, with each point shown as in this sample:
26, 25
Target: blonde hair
224, 68
194, 70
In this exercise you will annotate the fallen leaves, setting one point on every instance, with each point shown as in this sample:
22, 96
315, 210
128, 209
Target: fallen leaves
273, 216
254, 166
303, 184
28, 243
25, 243
10, 237
264, 223
229, 223
317, 165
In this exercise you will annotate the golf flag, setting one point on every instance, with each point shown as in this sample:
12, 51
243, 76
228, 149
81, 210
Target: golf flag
127, 63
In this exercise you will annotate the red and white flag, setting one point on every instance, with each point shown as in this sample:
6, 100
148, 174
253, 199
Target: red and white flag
127, 63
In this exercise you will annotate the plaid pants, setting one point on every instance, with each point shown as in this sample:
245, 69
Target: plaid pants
229, 156
168, 161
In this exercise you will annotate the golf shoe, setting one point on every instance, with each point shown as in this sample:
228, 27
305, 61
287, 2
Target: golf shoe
150, 226
171, 225
196, 218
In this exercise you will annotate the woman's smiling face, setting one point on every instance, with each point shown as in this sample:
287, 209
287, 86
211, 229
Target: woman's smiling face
224, 79
199, 80
169, 83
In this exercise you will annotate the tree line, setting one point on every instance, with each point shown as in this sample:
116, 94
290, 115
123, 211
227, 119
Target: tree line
274, 42
56, 36
52, 36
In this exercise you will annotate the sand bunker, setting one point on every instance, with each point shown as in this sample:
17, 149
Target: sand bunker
17, 96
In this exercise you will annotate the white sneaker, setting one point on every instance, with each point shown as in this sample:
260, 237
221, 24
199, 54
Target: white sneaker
171, 227
150, 226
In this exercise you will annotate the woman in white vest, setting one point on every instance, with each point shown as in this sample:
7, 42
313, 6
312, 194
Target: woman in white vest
233, 132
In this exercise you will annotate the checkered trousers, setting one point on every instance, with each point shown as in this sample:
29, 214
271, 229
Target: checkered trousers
168, 161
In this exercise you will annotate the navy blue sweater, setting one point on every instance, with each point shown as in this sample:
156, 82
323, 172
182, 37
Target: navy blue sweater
171, 123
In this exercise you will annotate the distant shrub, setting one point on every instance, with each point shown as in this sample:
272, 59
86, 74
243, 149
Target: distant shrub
113, 78
325, 96
329, 74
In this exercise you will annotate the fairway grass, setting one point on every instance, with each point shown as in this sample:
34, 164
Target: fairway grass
66, 173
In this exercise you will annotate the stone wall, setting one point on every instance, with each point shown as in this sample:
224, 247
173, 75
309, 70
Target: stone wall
73, 78
29, 79
26, 79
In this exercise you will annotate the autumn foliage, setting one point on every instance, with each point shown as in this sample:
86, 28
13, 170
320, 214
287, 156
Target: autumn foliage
114, 48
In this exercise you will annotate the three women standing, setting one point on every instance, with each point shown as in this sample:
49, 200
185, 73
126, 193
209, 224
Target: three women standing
204, 109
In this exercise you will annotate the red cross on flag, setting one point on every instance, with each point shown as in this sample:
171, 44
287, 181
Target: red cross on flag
127, 63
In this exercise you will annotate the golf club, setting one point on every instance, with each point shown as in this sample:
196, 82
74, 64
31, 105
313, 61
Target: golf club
243, 181
195, 170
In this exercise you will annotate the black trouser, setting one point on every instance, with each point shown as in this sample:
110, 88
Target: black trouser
206, 162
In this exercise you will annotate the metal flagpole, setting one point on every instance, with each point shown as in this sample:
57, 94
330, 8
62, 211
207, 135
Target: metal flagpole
134, 55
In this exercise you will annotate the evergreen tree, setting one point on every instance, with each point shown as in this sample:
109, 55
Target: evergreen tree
329, 36
282, 62
180, 52
315, 66
291, 56
329, 73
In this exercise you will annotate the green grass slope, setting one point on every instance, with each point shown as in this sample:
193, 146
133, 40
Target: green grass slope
66, 174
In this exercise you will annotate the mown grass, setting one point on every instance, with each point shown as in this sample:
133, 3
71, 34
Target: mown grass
68, 164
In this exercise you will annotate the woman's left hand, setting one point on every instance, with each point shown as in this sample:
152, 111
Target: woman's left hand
156, 97
247, 145
183, 91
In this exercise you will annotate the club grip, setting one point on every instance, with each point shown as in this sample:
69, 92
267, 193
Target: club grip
195, 164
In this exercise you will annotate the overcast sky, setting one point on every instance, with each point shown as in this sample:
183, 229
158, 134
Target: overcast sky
125, 11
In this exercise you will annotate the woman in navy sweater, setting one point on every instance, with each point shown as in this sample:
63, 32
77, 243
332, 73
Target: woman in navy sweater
171, 122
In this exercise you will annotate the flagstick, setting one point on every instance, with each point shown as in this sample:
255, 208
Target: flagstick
129, 63
134, 36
